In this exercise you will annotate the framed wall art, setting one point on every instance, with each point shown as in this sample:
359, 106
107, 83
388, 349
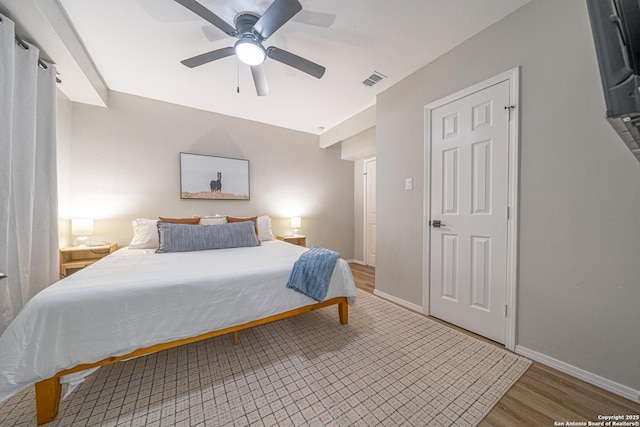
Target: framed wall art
213, 178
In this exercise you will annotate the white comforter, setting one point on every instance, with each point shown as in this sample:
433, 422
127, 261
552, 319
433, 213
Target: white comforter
135, 298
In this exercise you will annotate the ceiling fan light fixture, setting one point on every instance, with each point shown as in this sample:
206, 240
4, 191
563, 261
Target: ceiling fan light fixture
249, 51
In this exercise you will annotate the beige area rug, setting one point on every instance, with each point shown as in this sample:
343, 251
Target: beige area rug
388, 366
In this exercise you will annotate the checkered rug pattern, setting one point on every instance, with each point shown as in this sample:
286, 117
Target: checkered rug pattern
387, 367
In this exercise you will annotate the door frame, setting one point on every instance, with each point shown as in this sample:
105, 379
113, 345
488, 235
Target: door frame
365, 234
513, 77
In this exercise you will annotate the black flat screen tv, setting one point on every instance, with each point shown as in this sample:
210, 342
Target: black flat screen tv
616, 32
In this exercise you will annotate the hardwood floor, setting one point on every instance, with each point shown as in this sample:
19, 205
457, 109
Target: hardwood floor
543, 395
365, 277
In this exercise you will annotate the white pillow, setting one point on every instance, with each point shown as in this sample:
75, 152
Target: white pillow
145, 234
213, 220
264, 229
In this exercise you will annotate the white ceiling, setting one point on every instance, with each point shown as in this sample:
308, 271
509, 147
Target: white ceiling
137, 46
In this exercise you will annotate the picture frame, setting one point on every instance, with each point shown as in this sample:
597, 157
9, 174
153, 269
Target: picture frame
206, 177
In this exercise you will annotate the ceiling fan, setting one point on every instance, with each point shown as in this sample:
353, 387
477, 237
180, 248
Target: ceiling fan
251, 30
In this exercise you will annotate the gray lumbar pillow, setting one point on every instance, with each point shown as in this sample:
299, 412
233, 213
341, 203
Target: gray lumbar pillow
190, 237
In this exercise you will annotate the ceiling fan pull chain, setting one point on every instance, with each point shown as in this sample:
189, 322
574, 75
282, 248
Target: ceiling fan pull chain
238, 76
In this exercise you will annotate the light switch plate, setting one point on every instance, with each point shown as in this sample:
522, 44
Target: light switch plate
408, 184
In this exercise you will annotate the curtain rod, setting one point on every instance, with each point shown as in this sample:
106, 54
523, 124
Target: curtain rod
41, 63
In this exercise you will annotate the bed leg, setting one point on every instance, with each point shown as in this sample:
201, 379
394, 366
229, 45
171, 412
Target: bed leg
47, 399
236, 338
343, 311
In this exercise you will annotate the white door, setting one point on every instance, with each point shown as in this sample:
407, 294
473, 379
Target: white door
469, 196
370, 212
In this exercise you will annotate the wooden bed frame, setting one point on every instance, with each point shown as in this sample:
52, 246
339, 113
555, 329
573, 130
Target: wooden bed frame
48, 391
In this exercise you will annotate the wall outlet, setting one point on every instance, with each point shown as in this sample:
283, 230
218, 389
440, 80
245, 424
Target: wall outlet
408, 184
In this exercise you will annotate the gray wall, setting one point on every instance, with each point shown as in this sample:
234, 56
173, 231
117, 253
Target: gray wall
579, 274
125, 164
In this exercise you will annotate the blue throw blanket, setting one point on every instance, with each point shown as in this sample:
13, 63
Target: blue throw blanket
311, 273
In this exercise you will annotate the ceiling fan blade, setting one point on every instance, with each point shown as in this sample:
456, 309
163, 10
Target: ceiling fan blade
207, 15
211, 33
317, 19
296, 61
208, 57
260, 80
275, 17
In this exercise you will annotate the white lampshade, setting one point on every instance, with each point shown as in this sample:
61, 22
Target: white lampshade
82, 226
296, 222
250, 52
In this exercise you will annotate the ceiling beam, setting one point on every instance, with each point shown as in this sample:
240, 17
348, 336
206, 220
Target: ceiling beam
44, 24
352, 126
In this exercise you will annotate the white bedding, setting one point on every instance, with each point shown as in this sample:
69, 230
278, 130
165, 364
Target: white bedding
135, 298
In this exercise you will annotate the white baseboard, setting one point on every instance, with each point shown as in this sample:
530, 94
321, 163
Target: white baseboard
355, 261
591, 378
411, 306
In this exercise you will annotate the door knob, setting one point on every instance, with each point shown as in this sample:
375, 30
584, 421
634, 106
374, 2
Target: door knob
436, 224
2, 276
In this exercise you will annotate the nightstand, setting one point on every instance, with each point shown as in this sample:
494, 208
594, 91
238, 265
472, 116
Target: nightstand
77, 257
297, 239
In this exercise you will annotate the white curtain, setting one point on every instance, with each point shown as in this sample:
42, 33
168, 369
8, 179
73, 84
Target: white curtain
28, 187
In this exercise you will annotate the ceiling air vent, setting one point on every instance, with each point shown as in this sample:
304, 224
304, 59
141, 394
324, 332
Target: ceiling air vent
373, 79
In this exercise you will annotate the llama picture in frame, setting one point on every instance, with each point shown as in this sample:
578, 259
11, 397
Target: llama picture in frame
213, 178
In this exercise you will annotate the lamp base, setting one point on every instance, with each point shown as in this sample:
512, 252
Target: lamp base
82, 241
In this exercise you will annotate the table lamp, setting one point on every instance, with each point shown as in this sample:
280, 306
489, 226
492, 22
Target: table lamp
296, 223
82, 227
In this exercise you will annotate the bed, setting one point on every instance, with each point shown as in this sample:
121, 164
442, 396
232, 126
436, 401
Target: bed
136, 302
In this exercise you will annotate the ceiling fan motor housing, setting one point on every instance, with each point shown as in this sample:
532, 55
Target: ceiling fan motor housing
249, 47
245, 22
